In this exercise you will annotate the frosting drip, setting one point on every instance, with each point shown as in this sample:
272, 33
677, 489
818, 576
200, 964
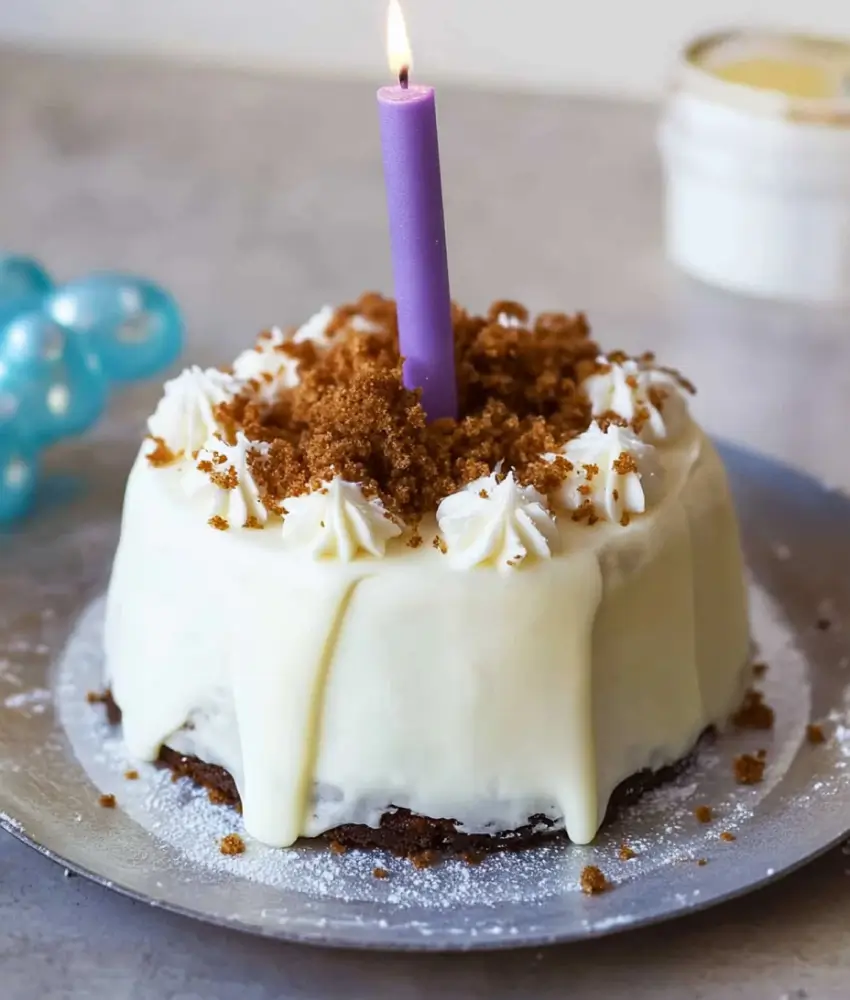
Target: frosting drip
338, 522
223, 478
614, 474
497, 523
648, 399
184, 418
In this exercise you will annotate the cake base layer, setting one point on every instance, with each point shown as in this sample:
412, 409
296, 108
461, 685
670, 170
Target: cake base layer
404, 833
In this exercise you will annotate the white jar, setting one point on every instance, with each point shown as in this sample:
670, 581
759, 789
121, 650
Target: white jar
757, 195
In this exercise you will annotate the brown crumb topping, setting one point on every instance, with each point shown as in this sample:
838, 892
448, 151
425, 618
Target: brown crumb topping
727, 836
350, 415
219, 523
703, 814
97, 697
815, 734
759, 669
337, 848
626, 853
161, 455
754, 713
107, 801
702, 862
593, 881
424, 859
217, 797
748, 770
381, 873
232, 844
131, 775
824, 624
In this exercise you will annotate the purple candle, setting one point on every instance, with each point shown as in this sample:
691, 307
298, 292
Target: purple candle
417, 230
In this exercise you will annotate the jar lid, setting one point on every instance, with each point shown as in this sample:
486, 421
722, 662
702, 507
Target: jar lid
798, 77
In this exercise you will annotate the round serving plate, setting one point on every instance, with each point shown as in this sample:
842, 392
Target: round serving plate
161, 843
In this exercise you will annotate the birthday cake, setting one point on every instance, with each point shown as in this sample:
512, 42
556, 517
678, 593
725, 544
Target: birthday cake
356, 623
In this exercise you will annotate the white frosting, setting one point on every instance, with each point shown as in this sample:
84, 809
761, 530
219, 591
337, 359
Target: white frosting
274, 369
229, 491
332, 690
626, 388
496, 523
184, 418
338, 522
597, 478
267, 365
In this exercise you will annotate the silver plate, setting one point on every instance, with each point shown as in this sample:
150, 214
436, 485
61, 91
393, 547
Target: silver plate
161, 843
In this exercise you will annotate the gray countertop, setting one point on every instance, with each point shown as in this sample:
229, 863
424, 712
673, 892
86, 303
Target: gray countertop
258, 199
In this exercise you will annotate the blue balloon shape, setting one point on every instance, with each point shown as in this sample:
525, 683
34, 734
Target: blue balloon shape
23, 285
21, 278
51, 386
133, 326
18, 478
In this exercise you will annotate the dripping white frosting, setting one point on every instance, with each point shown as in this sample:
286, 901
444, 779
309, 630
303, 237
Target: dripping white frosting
338, 522
613, 472
184, 418
496, 522
222, 477
639, 393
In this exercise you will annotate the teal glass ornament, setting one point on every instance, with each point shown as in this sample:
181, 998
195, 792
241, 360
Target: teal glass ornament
51, 386
24, 283
59, 350
18, 480
131, 324
22, 278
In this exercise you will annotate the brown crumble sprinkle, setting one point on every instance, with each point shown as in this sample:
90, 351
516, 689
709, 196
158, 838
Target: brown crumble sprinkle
217, 797
219, 523
625, 520
727, 836
107, 801
759, 669
97, 697
253, 522
815, 734
593, 881
824, 624
484, 494
590, 470
232, 844
440, 545
703, 814
380, 873
625, 464
337, 848
131, 775
615, 494
702, 861
161, 455
626, 853
415, 540
761, 754
424, 859
754, 713
749, 770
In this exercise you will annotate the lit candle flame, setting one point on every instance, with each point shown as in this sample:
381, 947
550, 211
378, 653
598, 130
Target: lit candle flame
398, 45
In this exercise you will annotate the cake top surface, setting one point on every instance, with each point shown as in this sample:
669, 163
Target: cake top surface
323, 403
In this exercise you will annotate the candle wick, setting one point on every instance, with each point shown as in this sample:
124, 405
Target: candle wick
404, 77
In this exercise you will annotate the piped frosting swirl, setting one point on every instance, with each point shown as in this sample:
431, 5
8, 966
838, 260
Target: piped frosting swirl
337, 521
185, 416
495, 521
612, 474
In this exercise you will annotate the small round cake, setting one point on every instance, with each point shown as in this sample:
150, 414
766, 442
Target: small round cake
360, 624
